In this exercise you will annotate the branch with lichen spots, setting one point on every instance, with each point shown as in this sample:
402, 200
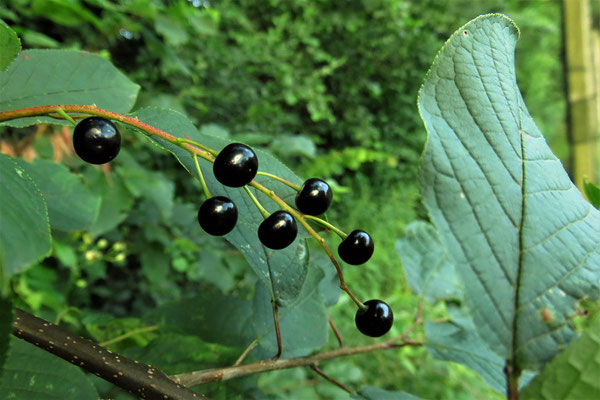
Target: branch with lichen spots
140, 379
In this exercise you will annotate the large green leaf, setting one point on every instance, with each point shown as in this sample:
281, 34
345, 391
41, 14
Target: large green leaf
574, 373
70, 203
304, 324
24, 227
30, 373
429, 271
457, 340
9, 45
237, 322
46, 77
523, 238
288, 266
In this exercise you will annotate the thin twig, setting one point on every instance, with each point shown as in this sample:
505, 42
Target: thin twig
418, 320
246, 352
330, 379
336, 331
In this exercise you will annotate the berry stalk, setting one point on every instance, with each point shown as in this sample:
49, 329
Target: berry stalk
277, 178
201, 177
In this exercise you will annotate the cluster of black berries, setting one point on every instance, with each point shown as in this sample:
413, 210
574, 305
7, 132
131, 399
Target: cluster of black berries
235, 166
97, 141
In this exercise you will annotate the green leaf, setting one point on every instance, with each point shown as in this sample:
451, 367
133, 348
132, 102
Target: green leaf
6, 325
429, 270
71, 206
573, 374
24, 227
66, 13
304, 324
211, 315
592, 192
288, 266
10, 45
46, 77
115, 200
458, 341
30, 373
151, 185
231, 321
375, 393
236, 322
521, 234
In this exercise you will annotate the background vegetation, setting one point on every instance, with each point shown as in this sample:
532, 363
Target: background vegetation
330, 87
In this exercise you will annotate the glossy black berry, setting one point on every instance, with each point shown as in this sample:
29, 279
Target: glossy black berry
375, 320
314, 197
236, 165
96, 140
357, 248
278, 231
217, 215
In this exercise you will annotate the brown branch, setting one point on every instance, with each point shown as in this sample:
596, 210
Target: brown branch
142, 380
222, 374
512, 381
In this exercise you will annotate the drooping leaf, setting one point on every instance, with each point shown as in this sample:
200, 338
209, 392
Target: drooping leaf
10, 45
574, 373
33, 374
375, 393
46, 77
235, 322
71, 206
288, 266
6, 325
304, 324
457, 340
24, 227
521, 234
429, 271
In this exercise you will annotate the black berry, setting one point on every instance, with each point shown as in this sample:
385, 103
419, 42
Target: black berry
314, 197
375, 320
217, 215
357, 248
278, 231
96, 140
236, 165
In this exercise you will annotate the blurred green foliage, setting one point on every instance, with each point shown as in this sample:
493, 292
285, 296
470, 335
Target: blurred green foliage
329, 86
